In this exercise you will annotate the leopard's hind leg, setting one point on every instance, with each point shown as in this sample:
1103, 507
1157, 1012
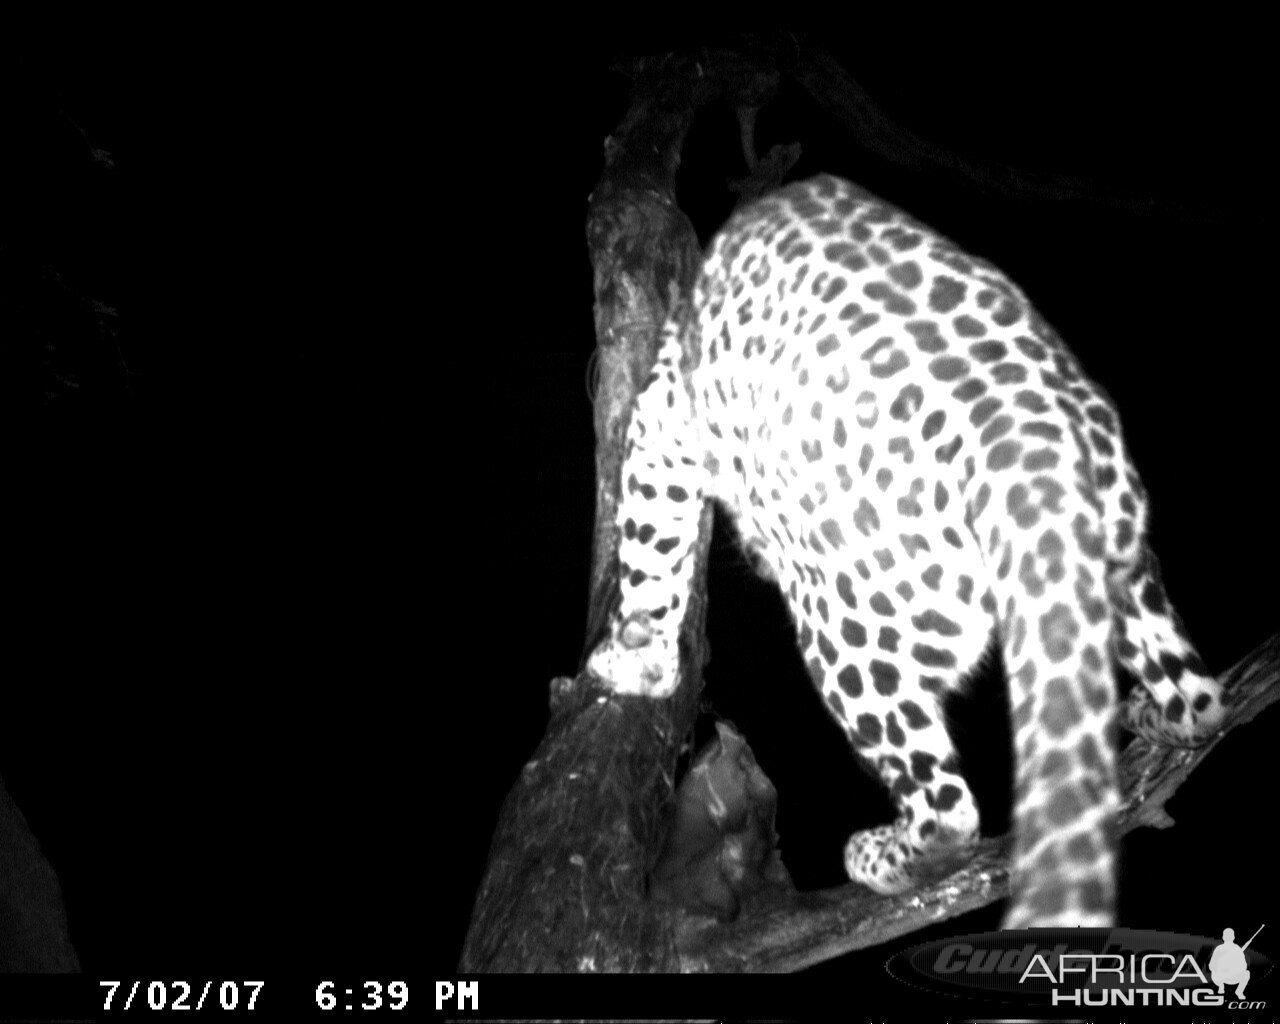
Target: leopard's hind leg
1176, 702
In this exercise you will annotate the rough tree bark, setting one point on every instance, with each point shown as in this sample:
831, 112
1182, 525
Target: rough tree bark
565, 885
565, 888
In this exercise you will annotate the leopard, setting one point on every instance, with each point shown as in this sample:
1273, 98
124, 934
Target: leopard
912, 454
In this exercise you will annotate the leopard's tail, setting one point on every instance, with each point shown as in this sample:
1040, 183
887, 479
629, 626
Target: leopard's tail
1055, 628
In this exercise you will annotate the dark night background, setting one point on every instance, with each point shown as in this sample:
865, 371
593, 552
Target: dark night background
212, 715
247, 599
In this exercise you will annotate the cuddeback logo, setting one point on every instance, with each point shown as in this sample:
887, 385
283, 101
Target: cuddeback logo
1089, 967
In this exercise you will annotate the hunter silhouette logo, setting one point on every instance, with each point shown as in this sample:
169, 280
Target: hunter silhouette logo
1227, 965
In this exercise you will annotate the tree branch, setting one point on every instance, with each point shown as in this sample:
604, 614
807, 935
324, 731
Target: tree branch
849, 105
813, 927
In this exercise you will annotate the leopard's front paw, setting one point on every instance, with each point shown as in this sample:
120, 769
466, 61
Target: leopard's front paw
637, 659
